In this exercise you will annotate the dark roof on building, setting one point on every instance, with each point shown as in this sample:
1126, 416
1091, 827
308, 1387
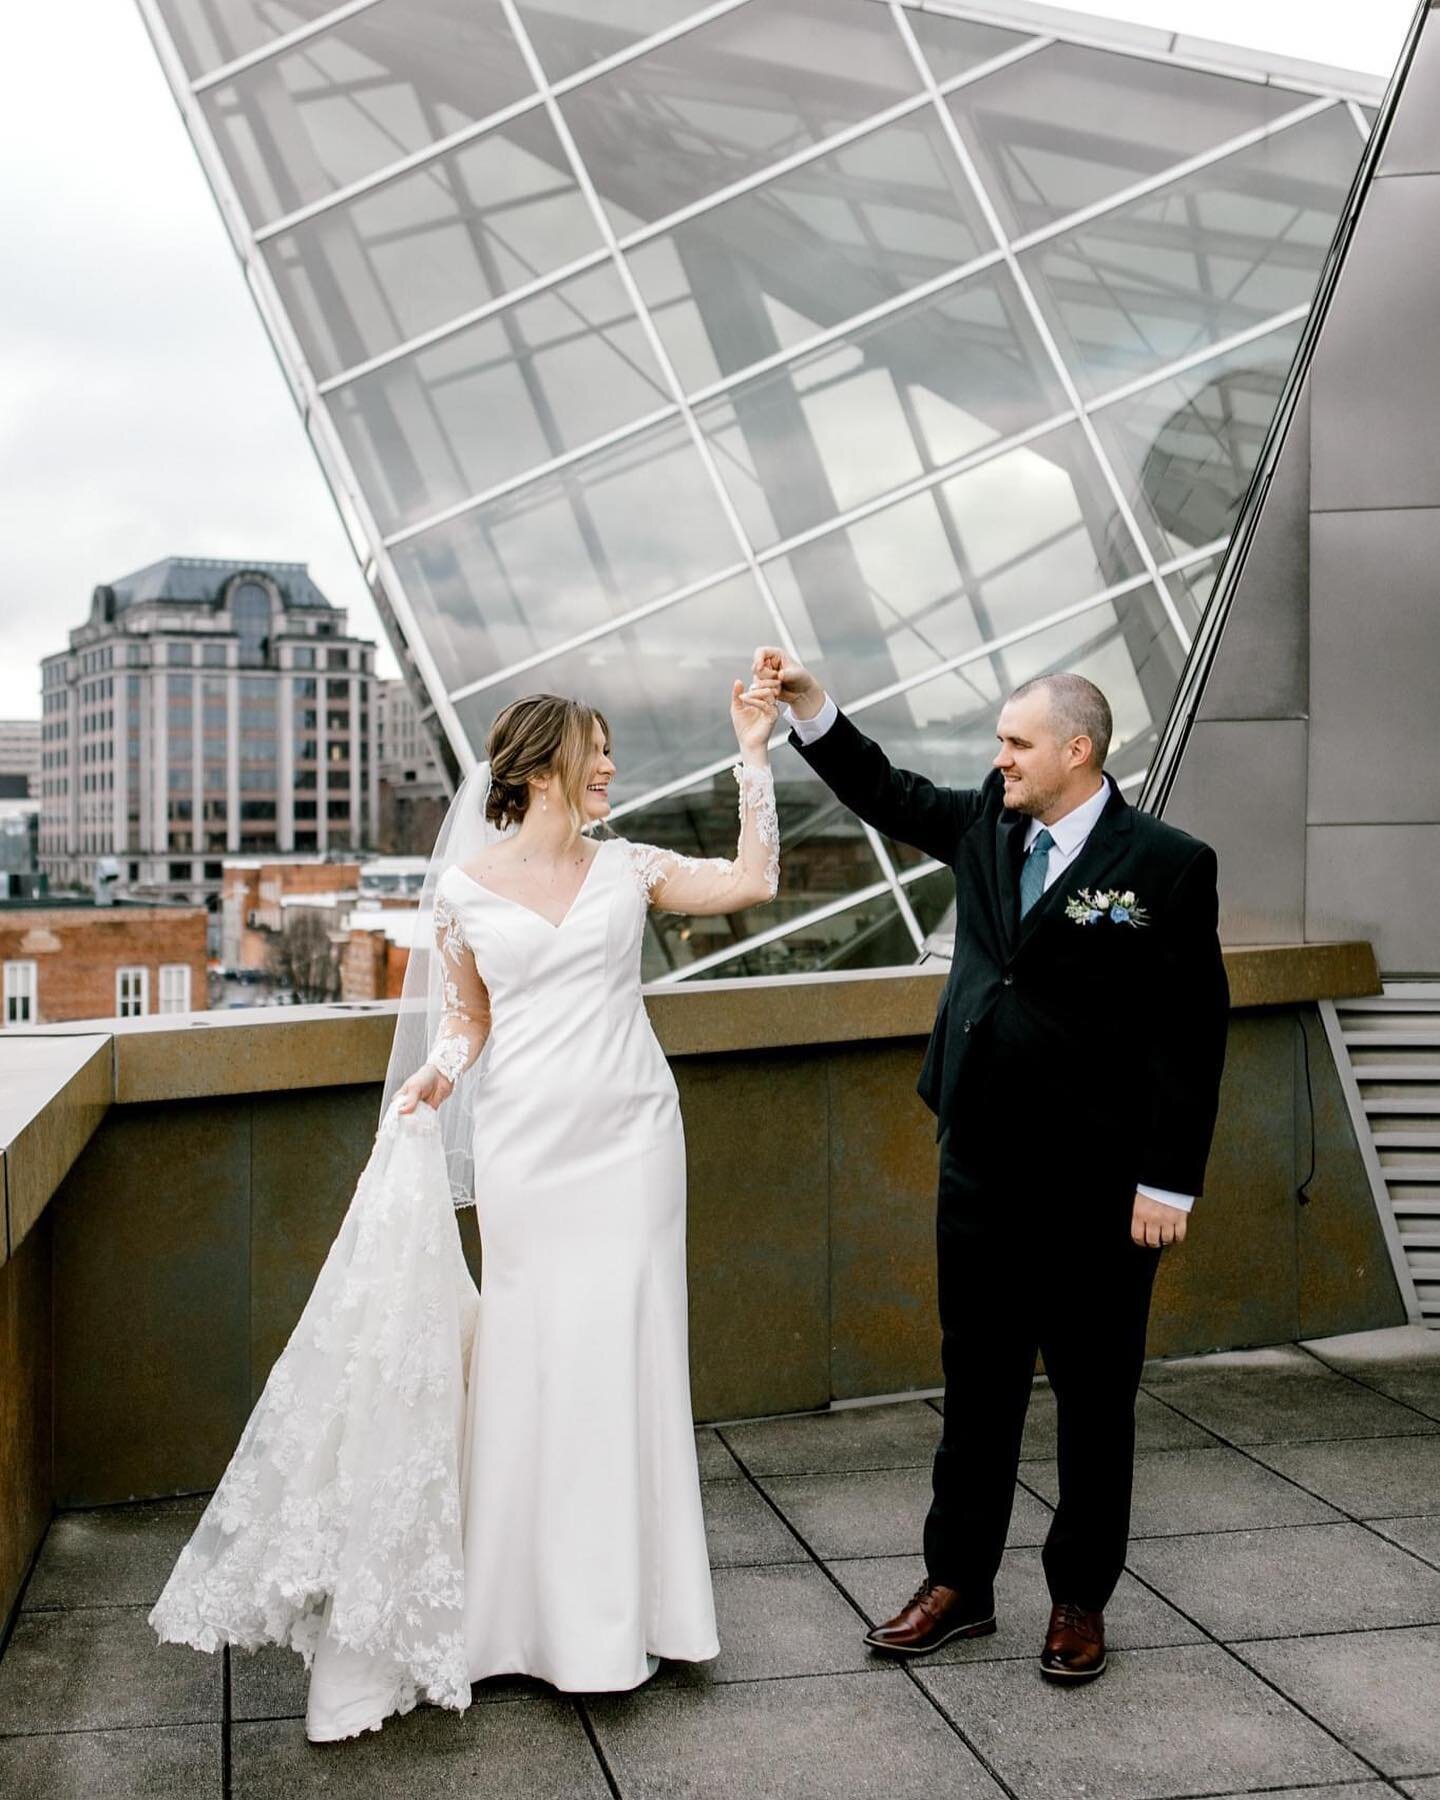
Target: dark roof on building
201, 578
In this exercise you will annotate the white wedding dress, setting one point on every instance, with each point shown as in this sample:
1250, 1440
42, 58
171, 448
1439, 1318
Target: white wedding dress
533, 1506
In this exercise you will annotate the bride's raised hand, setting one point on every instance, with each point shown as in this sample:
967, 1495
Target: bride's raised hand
753, 712
427, 1084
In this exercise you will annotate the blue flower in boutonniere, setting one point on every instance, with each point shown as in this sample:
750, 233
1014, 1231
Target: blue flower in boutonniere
1089, 906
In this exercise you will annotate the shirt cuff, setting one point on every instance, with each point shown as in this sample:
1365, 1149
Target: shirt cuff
807, 730
1166, 1197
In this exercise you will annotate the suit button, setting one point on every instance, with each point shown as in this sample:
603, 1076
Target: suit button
1008, 981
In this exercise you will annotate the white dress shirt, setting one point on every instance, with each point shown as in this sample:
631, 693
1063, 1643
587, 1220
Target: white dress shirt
1069, 835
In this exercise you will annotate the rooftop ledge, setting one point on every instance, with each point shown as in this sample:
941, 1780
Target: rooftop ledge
57, 1081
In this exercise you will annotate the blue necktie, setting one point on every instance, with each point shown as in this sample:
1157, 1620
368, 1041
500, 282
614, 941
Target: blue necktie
1032, 875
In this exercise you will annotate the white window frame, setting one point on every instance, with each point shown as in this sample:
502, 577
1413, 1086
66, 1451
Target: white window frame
132, 991
174, 988
21, 990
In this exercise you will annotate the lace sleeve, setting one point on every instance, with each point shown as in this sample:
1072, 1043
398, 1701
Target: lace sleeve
689, 884
465, 1019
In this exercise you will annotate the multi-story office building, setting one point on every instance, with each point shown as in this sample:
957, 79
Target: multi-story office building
205, 707
19, 758
413, 792
938, 344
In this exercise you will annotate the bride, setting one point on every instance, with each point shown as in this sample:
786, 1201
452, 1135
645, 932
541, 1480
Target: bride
435, 1487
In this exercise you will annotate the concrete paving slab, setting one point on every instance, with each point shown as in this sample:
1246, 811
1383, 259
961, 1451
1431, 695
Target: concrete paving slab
1340, 1790
1419, 1536
1427, 1788
1393, 1347
784, 1620
877, 1512
112, 1555
1185, 1720
741, 1528
827, 1737
1135, 1618
1375, 1478
272, 1684
1178, 1492
1157, 1427
714, 1461
1289, 1403
534, 1749
93, 1670
1376, 1689
157, 1762
1260, 1584
854, 1437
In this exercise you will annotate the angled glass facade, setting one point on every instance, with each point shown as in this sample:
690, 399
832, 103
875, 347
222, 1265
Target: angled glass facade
631, 333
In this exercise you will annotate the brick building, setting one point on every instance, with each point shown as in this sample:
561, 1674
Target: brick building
377, 948
253, 898
65, 958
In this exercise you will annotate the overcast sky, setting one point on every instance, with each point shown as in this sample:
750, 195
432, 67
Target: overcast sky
143, 414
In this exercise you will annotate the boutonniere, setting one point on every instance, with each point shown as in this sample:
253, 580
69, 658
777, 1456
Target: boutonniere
1089, 907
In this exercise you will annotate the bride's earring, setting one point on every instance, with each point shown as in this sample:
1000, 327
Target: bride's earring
544, 800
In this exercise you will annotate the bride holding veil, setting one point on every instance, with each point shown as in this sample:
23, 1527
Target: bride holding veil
437, 1487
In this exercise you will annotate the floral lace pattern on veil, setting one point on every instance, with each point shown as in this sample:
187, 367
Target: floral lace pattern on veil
339, 1513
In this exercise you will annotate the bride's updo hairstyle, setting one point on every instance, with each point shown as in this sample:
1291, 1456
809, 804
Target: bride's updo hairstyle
541, 735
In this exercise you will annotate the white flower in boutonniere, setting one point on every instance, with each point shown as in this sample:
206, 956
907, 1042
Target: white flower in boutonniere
1090, 905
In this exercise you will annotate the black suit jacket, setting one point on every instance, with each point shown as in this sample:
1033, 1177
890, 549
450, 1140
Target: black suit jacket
1054, 1033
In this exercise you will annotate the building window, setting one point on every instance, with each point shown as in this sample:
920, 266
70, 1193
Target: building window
250, 615
132, 993
174, 987
178, 655
213, 656
20, 1004
179, 871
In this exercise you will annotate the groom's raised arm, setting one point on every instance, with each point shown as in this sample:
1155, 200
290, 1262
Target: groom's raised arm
896, 801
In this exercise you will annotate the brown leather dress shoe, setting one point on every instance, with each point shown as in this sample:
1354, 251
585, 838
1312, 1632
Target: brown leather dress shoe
931, 1617
1074, 1645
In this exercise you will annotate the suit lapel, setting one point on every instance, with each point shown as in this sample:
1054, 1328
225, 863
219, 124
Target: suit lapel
1009, 854
1107, 844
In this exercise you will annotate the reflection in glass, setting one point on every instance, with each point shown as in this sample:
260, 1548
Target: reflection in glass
981, 555
429, 246
824, 855
723, 101
569, 35
521, 388
920, 388
663, 685
955, 46
818, 245
1192, 586
869, 935
1068, 126
565, 554
932, 900
1186, 448
373, 88
210, 33
945, 728
1218, 253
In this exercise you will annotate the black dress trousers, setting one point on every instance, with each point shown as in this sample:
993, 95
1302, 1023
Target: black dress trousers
1035, 1254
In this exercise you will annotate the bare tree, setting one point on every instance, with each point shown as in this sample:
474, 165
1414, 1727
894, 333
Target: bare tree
303, 959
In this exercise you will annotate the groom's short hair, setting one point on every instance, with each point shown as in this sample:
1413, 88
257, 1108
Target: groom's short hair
1078, 709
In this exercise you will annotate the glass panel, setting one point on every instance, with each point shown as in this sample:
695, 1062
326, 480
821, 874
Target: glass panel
1186, 448
1212, 256
1191, 587
1069, 126
847, 423
945, 728
724, 101
565, 553
515, 391
428, 246
569, 35
872, 935
955, 46
663, 685
351, 100
210, 33
932, 899
977, 557
820, 244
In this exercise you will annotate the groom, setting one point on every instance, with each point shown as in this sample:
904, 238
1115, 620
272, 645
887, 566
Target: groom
1074, 1068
